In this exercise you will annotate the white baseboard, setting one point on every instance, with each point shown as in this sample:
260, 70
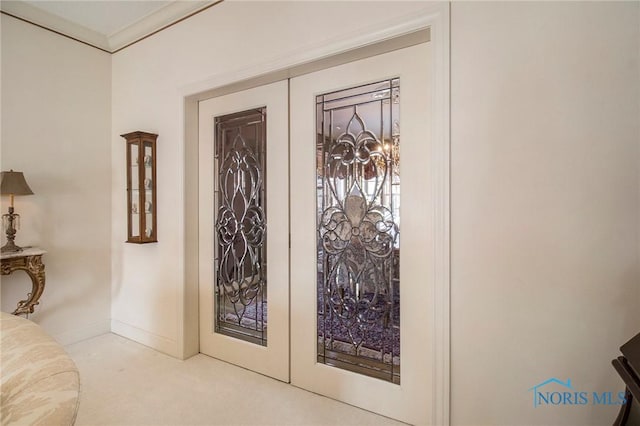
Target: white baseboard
144, 337
86, 332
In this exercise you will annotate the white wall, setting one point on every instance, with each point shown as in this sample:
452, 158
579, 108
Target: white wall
56, 108
148, 88
545, 204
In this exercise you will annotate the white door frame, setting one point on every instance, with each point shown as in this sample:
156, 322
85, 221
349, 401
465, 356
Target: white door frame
435, 18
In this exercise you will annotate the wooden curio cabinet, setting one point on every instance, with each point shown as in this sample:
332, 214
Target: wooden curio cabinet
141, 187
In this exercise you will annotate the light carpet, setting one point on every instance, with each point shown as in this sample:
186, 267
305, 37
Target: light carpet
125, 383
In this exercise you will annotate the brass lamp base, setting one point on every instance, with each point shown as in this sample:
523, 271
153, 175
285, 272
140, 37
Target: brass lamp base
10, 247
10, 220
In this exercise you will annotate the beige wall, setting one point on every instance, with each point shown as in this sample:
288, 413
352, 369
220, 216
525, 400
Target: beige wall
56, 115
545, 204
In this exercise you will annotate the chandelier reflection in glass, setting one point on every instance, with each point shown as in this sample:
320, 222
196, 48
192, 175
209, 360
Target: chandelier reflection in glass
241, 275
358, 196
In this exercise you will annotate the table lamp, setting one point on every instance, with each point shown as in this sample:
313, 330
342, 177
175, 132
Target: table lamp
12, 183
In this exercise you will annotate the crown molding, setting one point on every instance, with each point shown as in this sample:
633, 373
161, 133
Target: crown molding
155, 21
41, 18
140, 29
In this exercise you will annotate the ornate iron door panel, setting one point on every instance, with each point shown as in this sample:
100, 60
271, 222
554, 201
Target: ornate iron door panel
241, 284
358, 194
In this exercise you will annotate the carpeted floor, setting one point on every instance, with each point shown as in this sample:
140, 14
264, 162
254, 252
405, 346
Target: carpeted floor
125, 383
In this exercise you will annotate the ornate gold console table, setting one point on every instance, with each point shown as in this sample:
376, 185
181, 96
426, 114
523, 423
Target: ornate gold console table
30, 261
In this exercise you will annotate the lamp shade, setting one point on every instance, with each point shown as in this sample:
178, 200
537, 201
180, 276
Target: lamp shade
13, 183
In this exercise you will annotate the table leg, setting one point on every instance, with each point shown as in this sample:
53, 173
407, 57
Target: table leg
34, 267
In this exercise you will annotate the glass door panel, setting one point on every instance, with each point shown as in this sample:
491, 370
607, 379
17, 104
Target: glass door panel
358, 188
149, 193
241, 279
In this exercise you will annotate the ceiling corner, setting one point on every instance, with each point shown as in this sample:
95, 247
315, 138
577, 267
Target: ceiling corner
161, 18
91, 23
26, 12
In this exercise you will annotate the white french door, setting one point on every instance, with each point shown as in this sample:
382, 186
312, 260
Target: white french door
354, 121
357, 295
243, 191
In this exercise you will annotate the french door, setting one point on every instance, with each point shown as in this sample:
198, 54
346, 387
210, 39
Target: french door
244, 229
335, 245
